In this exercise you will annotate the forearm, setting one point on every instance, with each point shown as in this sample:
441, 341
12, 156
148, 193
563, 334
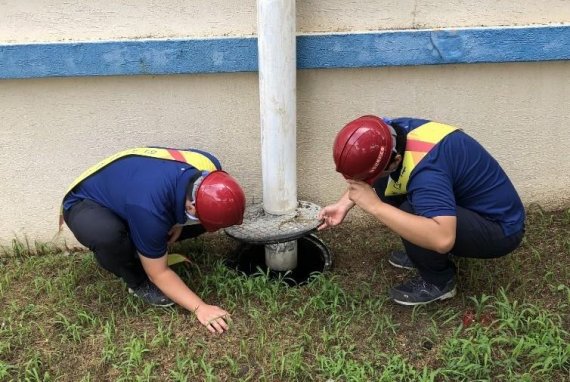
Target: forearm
173, 287
424, 232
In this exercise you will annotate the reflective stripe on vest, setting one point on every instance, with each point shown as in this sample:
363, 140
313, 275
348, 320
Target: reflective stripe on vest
199, 161
419, 143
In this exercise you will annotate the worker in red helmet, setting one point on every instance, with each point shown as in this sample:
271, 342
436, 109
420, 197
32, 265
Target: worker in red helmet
434, 186
127, 208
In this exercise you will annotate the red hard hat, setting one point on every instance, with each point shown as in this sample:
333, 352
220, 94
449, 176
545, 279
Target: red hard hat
362, 149
220, 201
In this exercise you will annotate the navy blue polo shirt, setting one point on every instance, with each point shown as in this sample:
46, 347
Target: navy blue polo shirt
458, 171
149, 194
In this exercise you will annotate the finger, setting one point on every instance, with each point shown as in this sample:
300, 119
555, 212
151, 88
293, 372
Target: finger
226, 317
214, 323
223, 323
210, 327
217, 326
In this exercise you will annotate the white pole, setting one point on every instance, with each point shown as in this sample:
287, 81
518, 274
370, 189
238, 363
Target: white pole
277, 96
277, 88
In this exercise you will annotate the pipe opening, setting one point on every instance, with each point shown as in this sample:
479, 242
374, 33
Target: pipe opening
313, 257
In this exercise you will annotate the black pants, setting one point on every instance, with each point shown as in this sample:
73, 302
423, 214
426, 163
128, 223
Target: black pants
107, 235
476, 237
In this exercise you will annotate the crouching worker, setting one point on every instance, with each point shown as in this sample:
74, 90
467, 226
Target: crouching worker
127, 208
437, 188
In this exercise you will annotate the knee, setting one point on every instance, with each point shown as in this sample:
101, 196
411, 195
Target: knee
113, 239
108, 238
113, 247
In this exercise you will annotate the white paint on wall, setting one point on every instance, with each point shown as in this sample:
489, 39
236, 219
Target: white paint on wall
62, 20
52, 129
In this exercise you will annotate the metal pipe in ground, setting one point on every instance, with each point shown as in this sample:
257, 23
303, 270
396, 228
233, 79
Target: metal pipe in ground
278, 113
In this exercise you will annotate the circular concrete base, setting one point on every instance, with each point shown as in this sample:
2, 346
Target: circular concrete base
259, 227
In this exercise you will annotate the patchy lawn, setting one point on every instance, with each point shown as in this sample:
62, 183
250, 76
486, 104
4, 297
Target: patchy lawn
64, 319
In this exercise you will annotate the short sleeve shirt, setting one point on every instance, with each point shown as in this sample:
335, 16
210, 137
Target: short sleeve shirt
458, 171
149, 194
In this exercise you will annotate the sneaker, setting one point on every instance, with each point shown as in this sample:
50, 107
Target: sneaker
149, 293
400, 259
416, 291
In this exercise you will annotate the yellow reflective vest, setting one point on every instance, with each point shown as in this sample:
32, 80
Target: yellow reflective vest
195, 159
419, 143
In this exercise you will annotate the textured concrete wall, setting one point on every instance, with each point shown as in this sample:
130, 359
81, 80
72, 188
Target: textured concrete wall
52, 129
60, 20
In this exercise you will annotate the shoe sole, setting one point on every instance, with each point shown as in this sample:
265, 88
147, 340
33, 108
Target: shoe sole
444, 296
401, 266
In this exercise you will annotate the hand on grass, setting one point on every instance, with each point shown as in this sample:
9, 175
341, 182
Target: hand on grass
214, 318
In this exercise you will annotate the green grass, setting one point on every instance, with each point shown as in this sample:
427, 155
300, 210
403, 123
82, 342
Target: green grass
62, 318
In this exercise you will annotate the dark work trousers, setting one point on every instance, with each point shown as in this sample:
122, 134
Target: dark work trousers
107, 235
476, 237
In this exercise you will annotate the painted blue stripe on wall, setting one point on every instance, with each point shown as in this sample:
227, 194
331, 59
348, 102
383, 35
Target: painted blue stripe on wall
350, 50
131, 57
430, 47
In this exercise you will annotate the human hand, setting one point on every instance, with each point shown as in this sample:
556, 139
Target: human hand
362, 194
331, 216
174, 233
213, 318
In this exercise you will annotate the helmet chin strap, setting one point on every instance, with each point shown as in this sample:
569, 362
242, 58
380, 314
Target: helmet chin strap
191, 217
191, 220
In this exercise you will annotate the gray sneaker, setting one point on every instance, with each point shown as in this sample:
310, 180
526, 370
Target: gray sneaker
400, 259
416, 291
149, 293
